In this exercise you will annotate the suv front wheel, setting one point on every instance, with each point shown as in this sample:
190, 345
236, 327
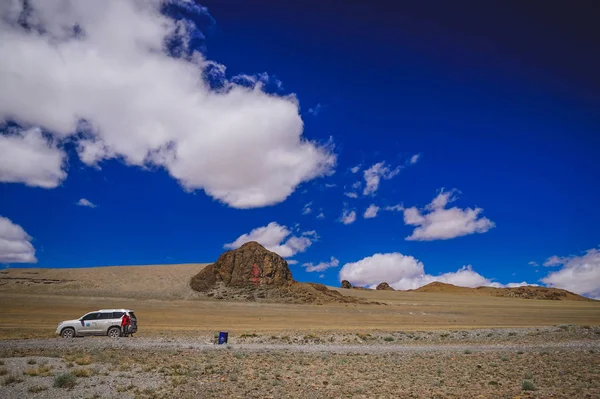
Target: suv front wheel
67, 333
114, 332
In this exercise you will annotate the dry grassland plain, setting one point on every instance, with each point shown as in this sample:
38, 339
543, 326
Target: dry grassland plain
33, 301
420, 345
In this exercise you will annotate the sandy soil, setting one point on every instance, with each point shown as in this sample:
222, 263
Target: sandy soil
142, 282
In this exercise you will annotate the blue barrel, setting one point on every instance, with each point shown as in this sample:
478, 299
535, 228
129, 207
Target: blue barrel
222, 338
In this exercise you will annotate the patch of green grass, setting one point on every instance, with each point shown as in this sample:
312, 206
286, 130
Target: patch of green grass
37, 388
43, 371
82, 372
527, 385
65, 380
31, 361
494, 383
253, 335
564, 326
84, 360
512, 334
504, 358
467, 352
388, 338
444, 335
12, 379
529, 375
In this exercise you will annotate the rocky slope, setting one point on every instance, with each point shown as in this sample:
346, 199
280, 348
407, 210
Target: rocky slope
253, 273
525, 292
384, 286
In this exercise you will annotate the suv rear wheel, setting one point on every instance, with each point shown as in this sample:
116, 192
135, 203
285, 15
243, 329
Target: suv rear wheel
114, 332
67, 332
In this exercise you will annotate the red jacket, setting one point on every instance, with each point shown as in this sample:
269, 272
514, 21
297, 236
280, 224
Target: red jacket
125, 320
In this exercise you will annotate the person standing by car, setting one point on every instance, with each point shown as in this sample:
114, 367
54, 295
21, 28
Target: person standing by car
125, 324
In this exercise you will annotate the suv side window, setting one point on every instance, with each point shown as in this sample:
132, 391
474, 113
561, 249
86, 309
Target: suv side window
91, 316
117, 315
106, 316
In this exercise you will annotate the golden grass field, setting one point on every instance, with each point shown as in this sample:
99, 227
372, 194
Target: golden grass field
33, 301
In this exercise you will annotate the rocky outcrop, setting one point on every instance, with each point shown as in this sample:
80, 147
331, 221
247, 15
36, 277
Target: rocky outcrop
249, 266
346, 284
253, 273
384, 286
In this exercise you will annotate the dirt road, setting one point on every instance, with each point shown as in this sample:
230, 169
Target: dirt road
100, 343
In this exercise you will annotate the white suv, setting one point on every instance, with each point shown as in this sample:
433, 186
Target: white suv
100, 322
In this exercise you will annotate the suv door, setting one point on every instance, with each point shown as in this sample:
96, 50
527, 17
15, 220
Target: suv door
89, 324
104, 322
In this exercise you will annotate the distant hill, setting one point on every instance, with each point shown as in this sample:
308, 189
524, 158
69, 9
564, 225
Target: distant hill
143, 282
525, 292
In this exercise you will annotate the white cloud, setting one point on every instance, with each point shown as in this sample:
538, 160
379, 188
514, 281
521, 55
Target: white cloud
415, 158
351, 195
395, 208
330, 185
405, 272
440, 223
371, 211
554, 261
322, 266
115, 92
311, 233
374, 174
307, 209
355, 169
85, 202
273, 237
348, 217
321, 275
512, 285
578, 274
27, 157
316, 110
15, 243
291, 261
532, 263
321, 215
357, 185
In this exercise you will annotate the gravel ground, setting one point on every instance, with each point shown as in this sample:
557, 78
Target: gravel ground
99, 343
557, 362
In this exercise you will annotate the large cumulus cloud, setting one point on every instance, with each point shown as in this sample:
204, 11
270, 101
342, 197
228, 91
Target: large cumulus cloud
101, 75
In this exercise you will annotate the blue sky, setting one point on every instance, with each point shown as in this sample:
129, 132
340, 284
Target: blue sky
185, 138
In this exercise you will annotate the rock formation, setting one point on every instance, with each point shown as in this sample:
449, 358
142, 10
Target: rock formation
249, 266
346, 284
384, 286
253, 273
